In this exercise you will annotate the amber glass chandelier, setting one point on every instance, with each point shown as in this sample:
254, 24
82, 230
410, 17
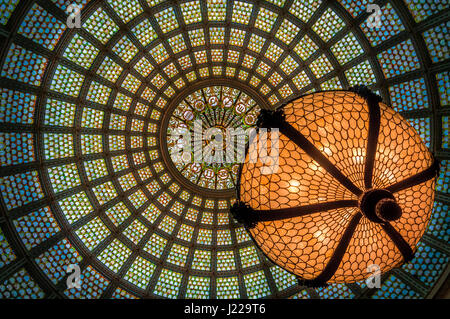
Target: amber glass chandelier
354, 187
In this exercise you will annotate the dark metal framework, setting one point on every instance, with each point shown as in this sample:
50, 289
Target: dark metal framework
9, 35
368, 200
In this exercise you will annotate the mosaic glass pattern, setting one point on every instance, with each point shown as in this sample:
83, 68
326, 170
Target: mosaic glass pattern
80, 150
214, 109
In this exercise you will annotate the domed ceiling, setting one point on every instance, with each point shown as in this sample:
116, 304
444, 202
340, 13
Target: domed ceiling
86, 113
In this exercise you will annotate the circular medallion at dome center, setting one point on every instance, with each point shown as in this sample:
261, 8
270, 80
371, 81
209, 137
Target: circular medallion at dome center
207, 133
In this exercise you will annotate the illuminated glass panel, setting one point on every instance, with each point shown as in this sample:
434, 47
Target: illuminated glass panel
288, 65
23, 65
101, 26
57, 145
399, 59
140, 272
18, 107
33, 228
355, 7
242, 235
347, 49
248, 256
167, 224
444, 177
421, 9
67, 81
216, 10
92, 285
125, 49
104, 192
7, 254
196, 37
265, 19
57, 258
440, 221
411, 95
98, 93
166, 20
191, 12
64, 177
168, 284
301, 80
282, 278
152, 3
285, 91
389, 25
304, 9
275, 79
93, 233
361, 73
202, 260
19, 286
300, 295
256, 285
144, 32
227, 287
41, 27
217, 35
287, 31
75, 207
332, 84
427, 265
443, 81
135, 231
114, 255
80, 51
119, 293
335, 291
155, 245
396, 289
6, 9
445, 128
178, 255
91, 144
273, 99
204, 236
321, 66
437, 41
110, 70
95, 169
237, 37
241, 12
328, 25
177, 43
131, 83
422, 127
273, 52
144, 67
198, 287
305, 47
16, 148
127, 10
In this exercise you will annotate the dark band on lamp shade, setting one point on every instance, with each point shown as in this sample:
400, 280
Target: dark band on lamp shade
377, 205
373, 101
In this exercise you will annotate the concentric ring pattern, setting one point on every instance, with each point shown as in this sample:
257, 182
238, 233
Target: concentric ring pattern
207, 134
82, 174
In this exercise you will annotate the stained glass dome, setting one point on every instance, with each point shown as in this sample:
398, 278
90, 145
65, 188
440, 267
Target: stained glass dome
85, 172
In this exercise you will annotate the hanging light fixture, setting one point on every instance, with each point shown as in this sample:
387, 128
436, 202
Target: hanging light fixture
353, 187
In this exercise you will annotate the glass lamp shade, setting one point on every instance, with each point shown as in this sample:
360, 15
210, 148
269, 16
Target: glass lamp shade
354, 187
